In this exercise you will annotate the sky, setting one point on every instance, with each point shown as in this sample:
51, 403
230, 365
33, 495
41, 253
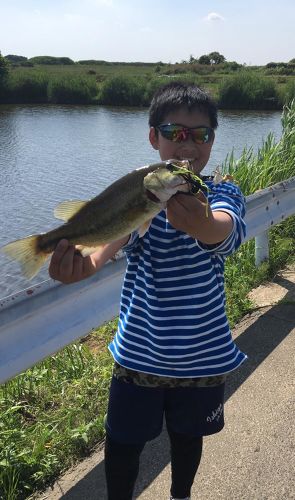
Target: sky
253, 32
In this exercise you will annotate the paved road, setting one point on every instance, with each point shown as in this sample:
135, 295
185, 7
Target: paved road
253, 458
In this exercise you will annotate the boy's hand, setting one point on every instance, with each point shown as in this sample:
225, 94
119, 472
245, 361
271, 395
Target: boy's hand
193, 216
68, 266
184, 212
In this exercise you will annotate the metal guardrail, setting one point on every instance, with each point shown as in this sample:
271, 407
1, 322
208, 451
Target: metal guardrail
40, 320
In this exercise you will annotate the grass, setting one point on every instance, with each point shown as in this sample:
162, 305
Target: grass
133, 84
52, 415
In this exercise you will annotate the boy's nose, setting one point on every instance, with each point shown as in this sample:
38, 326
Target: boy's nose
188, 149
188, 139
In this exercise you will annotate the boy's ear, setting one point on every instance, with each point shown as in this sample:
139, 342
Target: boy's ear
153, 137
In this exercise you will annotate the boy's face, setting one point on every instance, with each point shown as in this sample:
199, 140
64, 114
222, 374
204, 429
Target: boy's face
185, 150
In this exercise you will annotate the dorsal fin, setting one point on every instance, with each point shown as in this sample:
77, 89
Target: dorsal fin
67, 209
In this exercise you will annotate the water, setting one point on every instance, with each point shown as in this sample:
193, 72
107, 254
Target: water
53, 153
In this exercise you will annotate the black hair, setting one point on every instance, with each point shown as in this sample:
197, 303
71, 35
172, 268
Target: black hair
175, 95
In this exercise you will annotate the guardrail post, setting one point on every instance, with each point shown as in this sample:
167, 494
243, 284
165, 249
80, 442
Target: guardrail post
261, 248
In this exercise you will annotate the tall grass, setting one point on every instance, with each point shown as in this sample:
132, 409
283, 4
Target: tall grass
247, 90
134, 85
29, 89
122, 91
289, 94
273, 163
73, 90
52, 415
40, 87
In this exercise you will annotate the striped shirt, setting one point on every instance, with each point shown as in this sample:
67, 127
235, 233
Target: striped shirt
172, 318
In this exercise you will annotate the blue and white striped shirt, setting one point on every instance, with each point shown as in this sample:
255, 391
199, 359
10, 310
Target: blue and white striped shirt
172, 317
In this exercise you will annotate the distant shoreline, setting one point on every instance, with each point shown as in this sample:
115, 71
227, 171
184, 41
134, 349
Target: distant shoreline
133, 84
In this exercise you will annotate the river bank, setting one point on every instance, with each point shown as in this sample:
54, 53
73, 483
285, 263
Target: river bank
133, 85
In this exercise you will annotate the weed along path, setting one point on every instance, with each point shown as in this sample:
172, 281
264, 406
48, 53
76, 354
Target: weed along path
253, 457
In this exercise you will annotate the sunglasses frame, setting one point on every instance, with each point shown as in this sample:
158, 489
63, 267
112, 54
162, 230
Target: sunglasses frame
187, 130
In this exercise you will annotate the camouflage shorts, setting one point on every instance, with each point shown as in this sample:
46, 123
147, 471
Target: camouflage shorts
149, 380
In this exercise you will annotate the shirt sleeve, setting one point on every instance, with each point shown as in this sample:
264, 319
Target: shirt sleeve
227, 197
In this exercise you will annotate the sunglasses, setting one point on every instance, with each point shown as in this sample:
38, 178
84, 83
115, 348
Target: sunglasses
178, 133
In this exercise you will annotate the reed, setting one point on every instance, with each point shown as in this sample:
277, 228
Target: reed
273, 162
133, 85
29, 89
289, 91
122, 90
247, 90
71, 90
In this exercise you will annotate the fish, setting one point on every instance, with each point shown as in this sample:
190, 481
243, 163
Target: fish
128, 204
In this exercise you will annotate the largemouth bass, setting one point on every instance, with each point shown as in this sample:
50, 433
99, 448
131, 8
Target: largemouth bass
126, 205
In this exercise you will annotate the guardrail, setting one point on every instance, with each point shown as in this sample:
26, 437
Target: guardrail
40, 320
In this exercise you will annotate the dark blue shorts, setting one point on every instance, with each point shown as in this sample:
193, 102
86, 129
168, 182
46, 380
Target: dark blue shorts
135, 413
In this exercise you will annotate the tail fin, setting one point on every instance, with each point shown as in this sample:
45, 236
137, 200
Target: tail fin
27, 253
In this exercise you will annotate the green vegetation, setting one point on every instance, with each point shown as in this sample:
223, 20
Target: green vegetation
245, 90
51, 60
29, 89
52, 415
273, 163
121, 91
64, 81
4, 69
71, 90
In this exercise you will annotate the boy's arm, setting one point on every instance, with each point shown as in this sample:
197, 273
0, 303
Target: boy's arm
194, 216
68, 266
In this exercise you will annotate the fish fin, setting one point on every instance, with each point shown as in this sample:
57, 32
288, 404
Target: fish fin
67, 209
85, 251
27, 253
144, 227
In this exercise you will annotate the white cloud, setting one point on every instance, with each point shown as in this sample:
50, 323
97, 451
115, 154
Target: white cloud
213, 16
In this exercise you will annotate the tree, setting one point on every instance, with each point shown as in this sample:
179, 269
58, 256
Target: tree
216, 58
4, 68
51, 60
15, 59
204, 59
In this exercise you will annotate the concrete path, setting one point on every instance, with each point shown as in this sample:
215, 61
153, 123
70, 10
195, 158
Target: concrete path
253, 458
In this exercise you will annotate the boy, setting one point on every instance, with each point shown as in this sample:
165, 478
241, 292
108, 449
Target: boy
173, 346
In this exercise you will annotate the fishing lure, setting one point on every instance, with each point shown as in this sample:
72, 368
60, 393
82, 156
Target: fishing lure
197, 184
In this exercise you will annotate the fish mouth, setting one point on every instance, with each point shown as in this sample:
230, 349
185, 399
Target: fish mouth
151, 196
